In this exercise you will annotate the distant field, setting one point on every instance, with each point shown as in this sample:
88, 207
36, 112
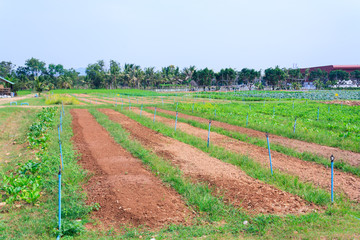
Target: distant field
143, 164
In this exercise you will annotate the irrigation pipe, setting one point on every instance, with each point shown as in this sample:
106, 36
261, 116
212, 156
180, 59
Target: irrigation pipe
268, 143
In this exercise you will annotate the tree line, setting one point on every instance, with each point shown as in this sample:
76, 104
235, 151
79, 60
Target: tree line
36, 74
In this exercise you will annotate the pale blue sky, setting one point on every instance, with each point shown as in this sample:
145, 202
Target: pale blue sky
205, 33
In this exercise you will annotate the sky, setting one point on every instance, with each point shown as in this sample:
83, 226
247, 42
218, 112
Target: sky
205, 33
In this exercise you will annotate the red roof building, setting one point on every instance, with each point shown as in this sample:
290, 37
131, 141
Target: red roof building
329, 68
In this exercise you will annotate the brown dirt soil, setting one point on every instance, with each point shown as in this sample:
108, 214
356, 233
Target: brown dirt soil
307, 171
125, 190
90, 101
352, 158
81, 95
345, 102
238, 188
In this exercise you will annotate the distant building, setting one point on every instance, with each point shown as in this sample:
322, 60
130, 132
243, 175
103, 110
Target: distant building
329, 68
3, 89
307, 84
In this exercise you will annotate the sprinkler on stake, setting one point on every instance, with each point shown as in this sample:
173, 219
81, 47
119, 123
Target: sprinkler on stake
176, 120
208, 141
295, 125
154, 115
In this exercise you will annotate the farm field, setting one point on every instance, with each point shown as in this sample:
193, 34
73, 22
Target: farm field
139, 164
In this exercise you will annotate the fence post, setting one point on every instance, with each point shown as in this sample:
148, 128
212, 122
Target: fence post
268, 143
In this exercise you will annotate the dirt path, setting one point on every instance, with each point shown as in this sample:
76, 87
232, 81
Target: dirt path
8, 100
307, 171
89, 101
345, 102
125, 190
350, 157
238, 188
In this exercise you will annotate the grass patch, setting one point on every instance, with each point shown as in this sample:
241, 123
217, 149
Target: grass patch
60, 99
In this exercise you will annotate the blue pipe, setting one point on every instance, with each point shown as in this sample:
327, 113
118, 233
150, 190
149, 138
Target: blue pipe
268, 143
58, 237
115, 101
332, 178
176, 120
273, 111
177, 105
63, 107
294, 125
215, 112
208, 140
193, 107
61, 121
129, 105
154, 115
141, 109
318, 114
247, 119
61, 158
250, 107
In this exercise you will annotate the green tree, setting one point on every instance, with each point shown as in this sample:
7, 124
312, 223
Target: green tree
356, 76
226, 76
274, 76
6, 68
337, 75
248, 76
36, 68
115, 70
188, 73
204, 77
95, 74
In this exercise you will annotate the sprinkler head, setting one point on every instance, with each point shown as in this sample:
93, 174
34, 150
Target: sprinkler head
332, 158
267, 134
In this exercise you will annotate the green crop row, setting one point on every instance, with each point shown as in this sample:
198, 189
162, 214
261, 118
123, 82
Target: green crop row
25, 184
336, 128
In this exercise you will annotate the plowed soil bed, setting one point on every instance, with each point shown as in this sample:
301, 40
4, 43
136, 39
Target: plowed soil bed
345, 102
238, 188
307, 171
125, 190
350, 157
